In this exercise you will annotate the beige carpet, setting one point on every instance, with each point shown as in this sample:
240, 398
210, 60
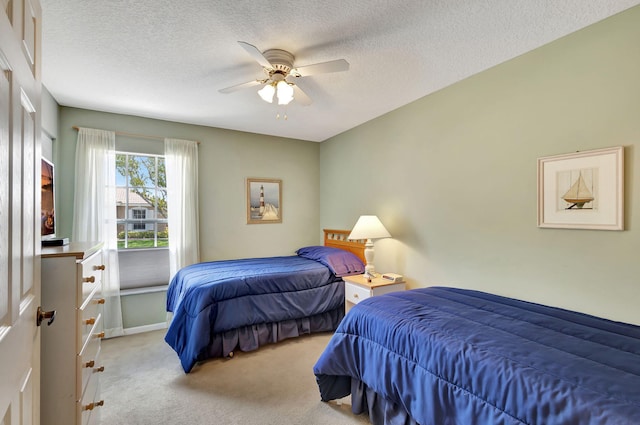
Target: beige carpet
143, 384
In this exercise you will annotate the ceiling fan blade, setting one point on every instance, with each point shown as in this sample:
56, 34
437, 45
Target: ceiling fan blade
301, 97
256, 54
240, 86
321, 68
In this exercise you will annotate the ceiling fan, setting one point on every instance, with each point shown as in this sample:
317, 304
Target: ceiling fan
279, 66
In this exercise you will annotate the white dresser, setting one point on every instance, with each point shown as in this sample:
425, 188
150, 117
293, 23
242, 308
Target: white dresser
70, 346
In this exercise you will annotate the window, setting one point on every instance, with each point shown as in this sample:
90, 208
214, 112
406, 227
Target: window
139, 214
141, 201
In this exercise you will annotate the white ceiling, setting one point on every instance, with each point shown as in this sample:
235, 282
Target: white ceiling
167, 59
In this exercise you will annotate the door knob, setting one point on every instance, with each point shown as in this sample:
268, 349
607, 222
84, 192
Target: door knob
42, 315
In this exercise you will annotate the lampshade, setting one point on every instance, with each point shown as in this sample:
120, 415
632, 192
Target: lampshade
368, 227
282, 89
267, 92
284, 92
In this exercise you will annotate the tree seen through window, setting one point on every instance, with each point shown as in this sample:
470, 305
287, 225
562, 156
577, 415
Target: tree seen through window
141, 201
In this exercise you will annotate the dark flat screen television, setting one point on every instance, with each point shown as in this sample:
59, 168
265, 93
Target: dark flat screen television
47, 205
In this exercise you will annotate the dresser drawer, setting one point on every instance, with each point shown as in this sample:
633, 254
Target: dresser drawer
91, 271
88, 314
89, 358
88, 408
354, 293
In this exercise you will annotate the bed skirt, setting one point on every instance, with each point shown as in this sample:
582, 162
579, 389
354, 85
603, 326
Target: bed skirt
250, 338
381, 411
363, 400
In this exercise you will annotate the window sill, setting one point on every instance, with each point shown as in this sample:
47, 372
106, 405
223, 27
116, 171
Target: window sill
159, 248
145, 290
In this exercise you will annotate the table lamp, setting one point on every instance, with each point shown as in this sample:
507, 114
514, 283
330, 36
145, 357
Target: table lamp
368, 227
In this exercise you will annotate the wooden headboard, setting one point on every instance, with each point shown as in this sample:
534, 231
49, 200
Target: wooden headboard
338, 239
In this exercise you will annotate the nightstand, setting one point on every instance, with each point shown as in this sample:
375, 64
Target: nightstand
356, 289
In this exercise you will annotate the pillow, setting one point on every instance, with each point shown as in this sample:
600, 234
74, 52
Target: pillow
340, 262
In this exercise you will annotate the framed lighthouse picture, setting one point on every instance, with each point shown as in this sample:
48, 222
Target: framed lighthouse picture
582, 190
264, 201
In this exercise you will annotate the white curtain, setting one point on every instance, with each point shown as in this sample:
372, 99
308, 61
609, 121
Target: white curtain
94, 217
181, 160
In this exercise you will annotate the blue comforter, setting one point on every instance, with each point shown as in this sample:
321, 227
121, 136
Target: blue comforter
214, 297
453, 356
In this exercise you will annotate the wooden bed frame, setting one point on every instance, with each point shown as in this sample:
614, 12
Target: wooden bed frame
338, 239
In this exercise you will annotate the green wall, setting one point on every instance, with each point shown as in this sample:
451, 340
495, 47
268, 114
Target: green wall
140, 310
226, 159
453, 175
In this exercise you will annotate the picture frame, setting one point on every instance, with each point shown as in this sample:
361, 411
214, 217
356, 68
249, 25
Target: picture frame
47, 200
264, 201
582, 190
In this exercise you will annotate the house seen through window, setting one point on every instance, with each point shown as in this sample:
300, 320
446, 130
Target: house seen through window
141, 201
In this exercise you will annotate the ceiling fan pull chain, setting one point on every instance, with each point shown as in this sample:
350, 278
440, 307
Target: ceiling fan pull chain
284, 116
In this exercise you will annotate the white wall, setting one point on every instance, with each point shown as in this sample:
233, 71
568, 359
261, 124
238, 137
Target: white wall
453, 175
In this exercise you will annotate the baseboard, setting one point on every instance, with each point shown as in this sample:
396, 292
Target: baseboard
145, 328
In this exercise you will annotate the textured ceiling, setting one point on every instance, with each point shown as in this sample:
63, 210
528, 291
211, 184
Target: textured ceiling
167, 59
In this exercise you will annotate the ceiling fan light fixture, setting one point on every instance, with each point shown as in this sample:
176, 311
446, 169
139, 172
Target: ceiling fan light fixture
267, 92
278, 64
284, 92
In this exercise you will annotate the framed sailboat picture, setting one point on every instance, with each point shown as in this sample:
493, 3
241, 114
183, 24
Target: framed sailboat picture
582, 190
264, 201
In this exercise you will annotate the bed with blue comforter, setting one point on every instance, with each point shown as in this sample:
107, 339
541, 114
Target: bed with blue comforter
221, 306
438, 355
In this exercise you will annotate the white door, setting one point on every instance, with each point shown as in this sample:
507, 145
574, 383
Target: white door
20, 129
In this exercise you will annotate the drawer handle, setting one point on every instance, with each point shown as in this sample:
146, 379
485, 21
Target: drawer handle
90, 321
355, 295
91, 279
99, 335
89, 364
100, 267
91, 406
99, 301
98, 369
